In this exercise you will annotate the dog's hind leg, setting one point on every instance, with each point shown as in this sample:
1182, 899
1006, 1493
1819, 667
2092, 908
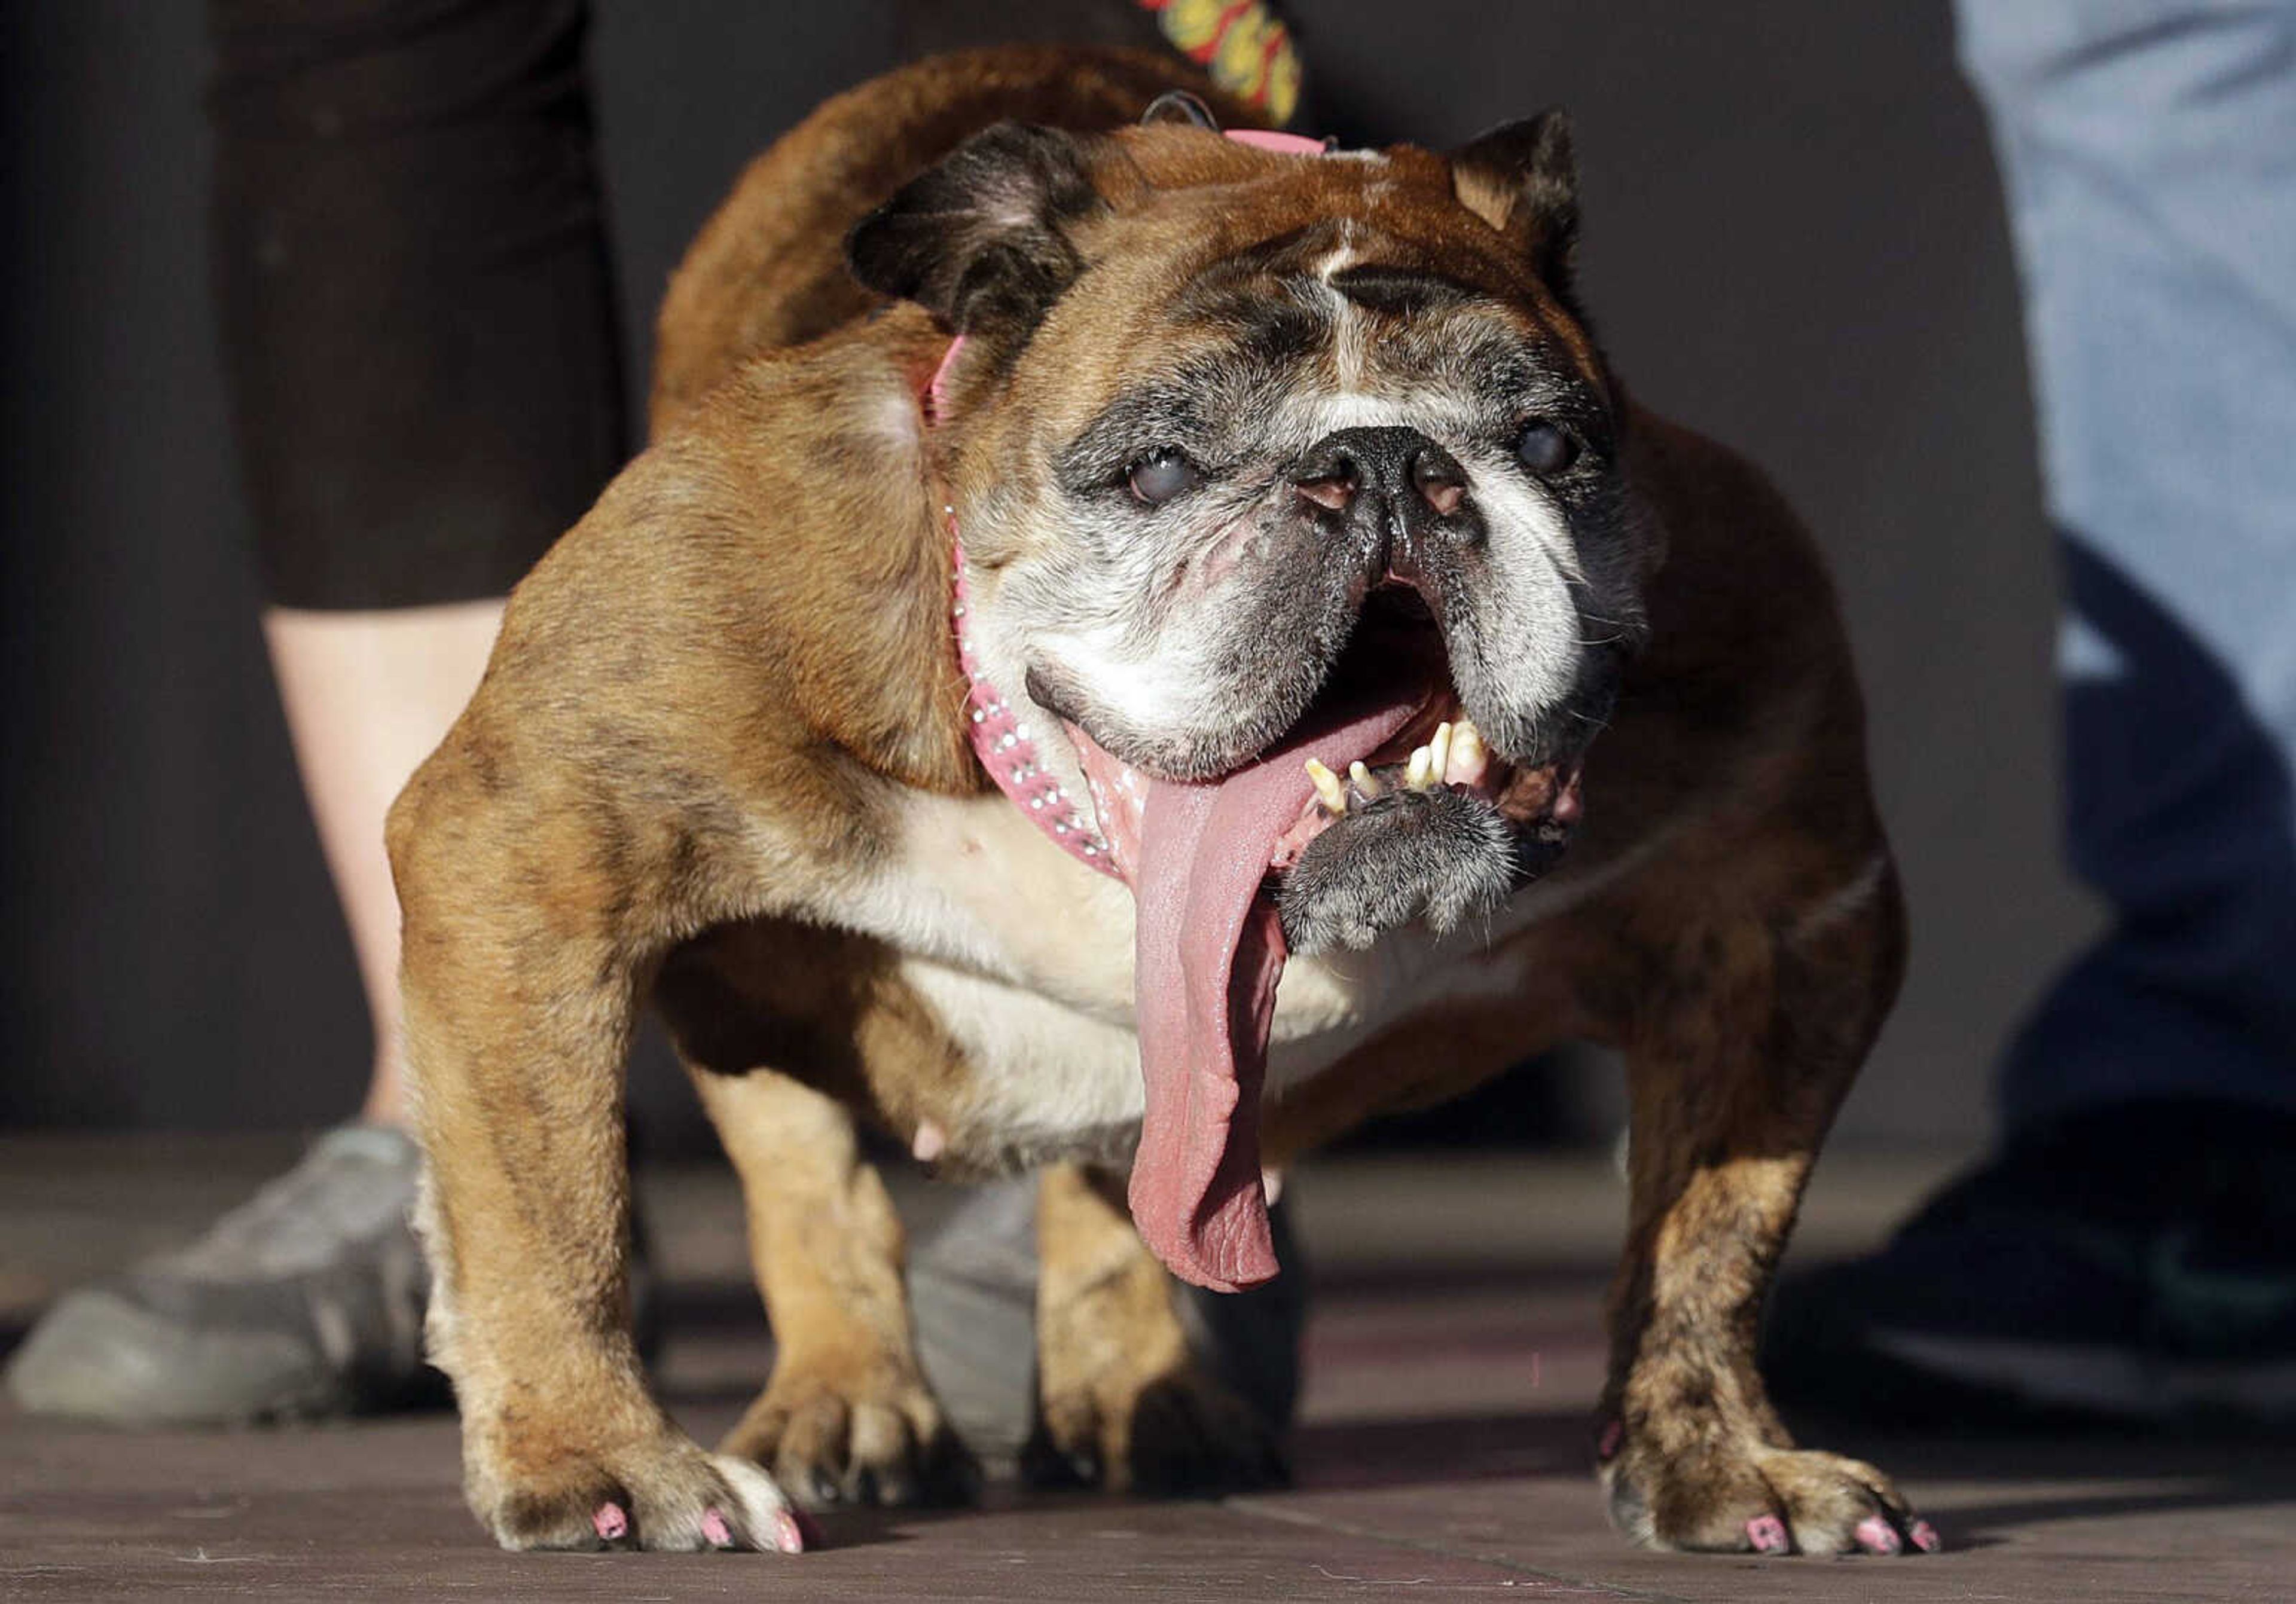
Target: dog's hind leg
847, 1416
1733, 1076
1124, 1403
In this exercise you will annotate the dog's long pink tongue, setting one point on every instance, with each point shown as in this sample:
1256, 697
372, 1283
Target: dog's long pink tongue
1209, 951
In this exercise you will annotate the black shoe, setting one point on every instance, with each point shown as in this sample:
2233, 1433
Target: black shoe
2136, 1265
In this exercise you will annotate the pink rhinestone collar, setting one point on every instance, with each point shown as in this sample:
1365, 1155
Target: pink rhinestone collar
1000, 738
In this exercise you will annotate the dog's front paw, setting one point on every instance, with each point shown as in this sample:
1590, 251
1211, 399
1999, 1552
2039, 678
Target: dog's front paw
1722, 1499
1178, 1434
834, 1442
664, 1493
1443, 854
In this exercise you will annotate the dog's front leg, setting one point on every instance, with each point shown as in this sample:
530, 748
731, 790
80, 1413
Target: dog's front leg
1732, 1084
847, 1416
520, 987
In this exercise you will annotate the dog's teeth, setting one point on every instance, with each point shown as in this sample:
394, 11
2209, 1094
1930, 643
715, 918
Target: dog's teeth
1418, 775
1468, 756
1271, 1181
1368, 785
1438, 750
1328, 790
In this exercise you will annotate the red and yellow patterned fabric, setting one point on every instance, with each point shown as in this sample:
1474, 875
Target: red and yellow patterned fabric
1244, 45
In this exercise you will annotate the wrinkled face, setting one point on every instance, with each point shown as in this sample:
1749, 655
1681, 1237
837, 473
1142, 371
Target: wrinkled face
1293, 458
1316, 449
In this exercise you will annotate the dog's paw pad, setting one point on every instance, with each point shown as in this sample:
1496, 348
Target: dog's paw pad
1607, 1445
661, 1495
1770, 1500
1180, 1433
889, 1448
1876, 1535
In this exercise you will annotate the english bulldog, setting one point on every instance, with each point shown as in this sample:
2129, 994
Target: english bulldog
1132, 649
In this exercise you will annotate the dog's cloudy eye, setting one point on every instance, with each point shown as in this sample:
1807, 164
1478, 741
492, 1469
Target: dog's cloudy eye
1161, 475
1544, 447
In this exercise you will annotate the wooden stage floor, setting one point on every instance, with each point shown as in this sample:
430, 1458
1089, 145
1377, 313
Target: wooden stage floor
1453, 1356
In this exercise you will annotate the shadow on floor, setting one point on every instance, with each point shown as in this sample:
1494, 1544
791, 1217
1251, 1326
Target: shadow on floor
2158, 1474
1391, 1453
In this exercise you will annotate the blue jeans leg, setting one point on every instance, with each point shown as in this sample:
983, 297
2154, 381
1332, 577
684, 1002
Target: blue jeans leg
2149, 153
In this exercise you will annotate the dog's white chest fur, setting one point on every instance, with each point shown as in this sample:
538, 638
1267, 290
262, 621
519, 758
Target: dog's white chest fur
1026, 956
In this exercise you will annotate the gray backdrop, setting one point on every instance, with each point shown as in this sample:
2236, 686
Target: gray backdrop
1794, 241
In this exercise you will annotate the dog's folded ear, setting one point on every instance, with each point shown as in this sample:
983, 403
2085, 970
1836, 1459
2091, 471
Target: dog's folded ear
980, 240
1522, 179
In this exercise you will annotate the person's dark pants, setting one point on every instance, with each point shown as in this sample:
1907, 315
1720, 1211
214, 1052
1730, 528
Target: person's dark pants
410, 278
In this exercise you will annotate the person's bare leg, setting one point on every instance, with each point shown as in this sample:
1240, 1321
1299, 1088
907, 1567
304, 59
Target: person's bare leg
368, 696
307, 1299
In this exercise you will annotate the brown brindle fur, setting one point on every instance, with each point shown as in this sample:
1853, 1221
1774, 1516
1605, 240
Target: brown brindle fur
768, 271
1118, 1391
691, 744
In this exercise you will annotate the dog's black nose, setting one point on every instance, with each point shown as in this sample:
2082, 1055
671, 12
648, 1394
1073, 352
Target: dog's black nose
1402, 473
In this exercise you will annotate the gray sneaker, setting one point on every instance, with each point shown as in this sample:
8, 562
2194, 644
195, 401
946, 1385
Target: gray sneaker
306, 1301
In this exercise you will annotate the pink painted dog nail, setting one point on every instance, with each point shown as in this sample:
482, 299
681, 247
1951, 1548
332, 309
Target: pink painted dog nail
1607, 1448
714, 1529
1925, 1537
1876, 1535
789, 1536
610, 1522
1767, 1534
